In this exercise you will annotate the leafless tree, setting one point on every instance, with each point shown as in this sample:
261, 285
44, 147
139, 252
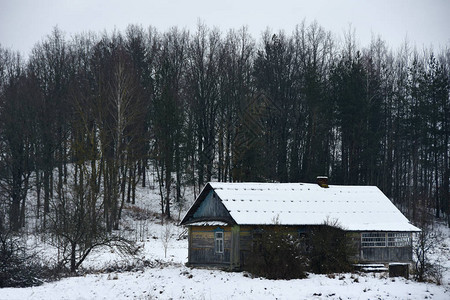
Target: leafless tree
426, 259
166, 236
78, 224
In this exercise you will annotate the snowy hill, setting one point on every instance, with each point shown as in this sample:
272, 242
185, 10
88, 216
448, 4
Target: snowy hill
153, 275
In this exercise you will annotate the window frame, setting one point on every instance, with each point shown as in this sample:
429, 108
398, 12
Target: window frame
219, 245
373, 239
391, 239
398, 239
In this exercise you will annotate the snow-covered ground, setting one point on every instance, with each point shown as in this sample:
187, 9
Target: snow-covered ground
179, 282
168, 277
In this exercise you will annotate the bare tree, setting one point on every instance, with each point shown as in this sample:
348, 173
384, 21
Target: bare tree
166, 236
424, 245
78, 225
202, 87
168, 115
17, 136
50, 64
118, 115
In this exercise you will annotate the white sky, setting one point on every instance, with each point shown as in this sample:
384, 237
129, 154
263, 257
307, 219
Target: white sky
423, 22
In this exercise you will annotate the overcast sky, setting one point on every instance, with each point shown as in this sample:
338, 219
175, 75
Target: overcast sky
423, 22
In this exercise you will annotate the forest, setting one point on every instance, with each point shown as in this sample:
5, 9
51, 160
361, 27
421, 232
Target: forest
85, 119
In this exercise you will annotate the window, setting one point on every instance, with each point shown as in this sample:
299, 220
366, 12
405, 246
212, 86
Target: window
373, 239
218, 240
399, 239
257, 241
302, 232
386, 239
304, 239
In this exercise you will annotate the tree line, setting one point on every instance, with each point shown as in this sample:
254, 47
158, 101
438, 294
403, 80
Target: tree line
83, 120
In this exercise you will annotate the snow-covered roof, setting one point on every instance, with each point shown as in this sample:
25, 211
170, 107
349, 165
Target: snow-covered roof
355, 208
209, 223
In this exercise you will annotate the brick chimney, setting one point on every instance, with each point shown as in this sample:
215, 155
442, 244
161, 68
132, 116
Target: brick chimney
322, 181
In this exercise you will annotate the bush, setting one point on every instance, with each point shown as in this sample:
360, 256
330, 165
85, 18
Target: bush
424, 244
331, 250
277, 255
17, 268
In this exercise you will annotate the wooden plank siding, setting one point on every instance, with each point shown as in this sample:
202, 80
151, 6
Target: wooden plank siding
201, 246
239, 241
386, 254
211, 207
238, 244
382, 254
246, 243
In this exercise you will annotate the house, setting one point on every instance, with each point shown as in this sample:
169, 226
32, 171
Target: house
226, 217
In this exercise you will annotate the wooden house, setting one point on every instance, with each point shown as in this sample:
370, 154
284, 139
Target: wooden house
226, 218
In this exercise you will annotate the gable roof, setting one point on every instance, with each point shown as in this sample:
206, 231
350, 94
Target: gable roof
355, 208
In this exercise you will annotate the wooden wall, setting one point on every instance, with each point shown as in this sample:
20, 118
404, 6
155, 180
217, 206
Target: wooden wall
238, 249
381, 254
245, 241
386, 254
201, 246
211, 208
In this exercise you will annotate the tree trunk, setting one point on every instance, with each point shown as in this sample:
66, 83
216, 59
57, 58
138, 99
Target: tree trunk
73, 257
143, 170
168, 187
130, 182
38, 193
436, 178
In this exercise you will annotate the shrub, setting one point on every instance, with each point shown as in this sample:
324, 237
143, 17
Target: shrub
17, 268
277, 255
331, 250
424, 244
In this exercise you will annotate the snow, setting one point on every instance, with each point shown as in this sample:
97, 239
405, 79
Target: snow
356, 208
209, 223
180, 282
168, 277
